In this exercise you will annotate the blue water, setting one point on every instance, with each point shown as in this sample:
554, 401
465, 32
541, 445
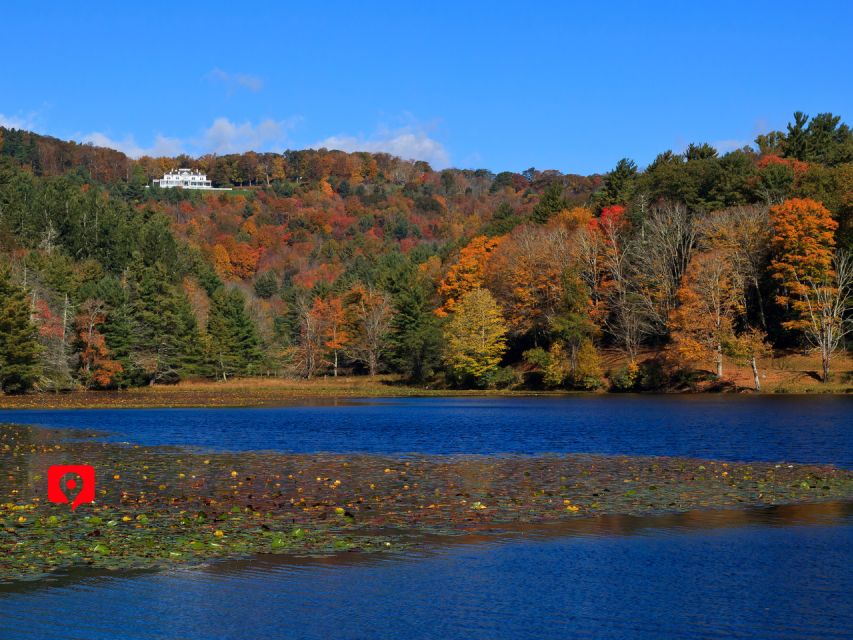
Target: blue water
770, 428
778, 573
765, 577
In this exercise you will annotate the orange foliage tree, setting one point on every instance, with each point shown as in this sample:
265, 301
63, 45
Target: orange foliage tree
98, 369
526, 274
710, 300
331, 327
816, 281
803, 241
466, 274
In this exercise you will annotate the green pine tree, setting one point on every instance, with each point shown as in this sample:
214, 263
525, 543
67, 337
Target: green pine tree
165, 344
20, 363
235, 348
417, 340
550, 203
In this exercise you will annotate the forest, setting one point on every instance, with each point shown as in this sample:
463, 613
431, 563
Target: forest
326, 263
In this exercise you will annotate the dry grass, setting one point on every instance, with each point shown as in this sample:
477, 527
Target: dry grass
788, 373
798, 373
244, 392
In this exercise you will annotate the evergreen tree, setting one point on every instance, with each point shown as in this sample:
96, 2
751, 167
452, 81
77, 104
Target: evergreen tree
797, 140
550, 203
266, 285
20, 365
702, 151
117, 327
234, 345
416, 341
165, 345
503, 220
618, 184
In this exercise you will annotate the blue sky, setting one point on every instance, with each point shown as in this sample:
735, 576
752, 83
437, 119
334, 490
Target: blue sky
503, 86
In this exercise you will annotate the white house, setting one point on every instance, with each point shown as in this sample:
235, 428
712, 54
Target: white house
187, 179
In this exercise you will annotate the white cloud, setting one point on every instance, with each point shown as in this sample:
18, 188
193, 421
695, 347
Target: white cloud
224, 136
18, 122
235, 81
163, 146
410, 143
724, 146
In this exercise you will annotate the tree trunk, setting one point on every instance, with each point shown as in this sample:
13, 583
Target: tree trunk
825, 361
573, 361
755, 374
336, 363
760, 304
719, 361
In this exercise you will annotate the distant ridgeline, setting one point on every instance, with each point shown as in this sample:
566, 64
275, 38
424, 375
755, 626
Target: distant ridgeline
320, 262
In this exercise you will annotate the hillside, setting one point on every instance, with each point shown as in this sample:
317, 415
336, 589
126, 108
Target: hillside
323, 263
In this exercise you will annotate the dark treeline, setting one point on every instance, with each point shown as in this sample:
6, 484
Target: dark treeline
322, 262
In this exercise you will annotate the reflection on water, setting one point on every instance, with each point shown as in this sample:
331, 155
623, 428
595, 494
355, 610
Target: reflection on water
779, 572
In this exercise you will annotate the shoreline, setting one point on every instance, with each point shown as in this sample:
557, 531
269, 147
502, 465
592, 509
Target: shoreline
261, 392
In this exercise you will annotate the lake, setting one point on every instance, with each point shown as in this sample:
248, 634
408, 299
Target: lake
780, 572
768, 428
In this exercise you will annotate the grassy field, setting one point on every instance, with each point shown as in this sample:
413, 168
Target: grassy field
791, 373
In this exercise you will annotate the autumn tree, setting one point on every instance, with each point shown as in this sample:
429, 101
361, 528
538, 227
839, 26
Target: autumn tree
803, 241
476, 338
710, 300
466, 274
369, 314
310, 347
97, 367
664, 247
55, 336
809, 283
606, 257
330, 319
823, 303
525, 274
748, 348
744, 234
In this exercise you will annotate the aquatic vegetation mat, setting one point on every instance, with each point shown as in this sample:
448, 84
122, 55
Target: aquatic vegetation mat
158, 506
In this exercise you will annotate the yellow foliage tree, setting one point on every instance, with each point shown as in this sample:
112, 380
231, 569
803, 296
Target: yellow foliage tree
475, 338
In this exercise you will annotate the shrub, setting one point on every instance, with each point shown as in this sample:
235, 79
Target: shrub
506, 378
624, 379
